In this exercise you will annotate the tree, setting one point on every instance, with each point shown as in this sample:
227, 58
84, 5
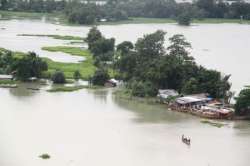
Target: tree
178, 47
30, 65
100, 77
103, 49
58, 77
242, 106
184, 19
77, 75
125, 47
93, 36
151, 45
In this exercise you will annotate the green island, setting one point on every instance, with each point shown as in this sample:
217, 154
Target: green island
60, 37
72, 88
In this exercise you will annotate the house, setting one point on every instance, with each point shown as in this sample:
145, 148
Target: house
166, 93
193, 100
6, 77
112, 83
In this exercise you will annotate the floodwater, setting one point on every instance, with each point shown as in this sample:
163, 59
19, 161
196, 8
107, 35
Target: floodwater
93, 128
224, 47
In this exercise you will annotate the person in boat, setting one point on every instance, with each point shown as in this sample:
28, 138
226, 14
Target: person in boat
185, 140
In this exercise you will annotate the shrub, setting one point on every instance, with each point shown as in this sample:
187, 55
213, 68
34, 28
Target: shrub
77, 75
100, 77
58, 77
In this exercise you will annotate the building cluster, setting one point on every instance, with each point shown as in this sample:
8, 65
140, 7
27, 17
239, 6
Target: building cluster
197, 104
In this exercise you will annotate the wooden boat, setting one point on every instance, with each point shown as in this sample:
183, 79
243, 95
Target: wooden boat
186, 140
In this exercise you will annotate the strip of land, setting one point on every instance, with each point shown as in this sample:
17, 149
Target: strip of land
60, 37
61, 18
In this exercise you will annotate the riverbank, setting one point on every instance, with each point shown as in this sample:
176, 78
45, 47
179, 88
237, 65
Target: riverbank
125, 94
60, 18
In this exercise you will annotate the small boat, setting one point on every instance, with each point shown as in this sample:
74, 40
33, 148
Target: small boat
186, 140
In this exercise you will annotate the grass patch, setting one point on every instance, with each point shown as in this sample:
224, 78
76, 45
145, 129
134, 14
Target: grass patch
86, 68
65, 89
72, 88
215, 124
60, 37
76, 42
9, 82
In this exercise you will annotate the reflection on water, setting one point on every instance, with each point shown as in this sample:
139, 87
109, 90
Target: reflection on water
152, 113
25, 90
92, 127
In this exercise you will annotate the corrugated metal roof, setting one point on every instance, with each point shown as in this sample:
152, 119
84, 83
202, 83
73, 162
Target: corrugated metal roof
3, 76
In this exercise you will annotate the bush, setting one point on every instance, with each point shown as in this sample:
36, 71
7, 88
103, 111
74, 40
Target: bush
100, 77
184, 19
58, 78
142, 89
242, 106
77, 75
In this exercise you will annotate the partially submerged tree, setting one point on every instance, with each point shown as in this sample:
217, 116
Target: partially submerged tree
100, 77
242, 106
77, 75
29, 65
58, 77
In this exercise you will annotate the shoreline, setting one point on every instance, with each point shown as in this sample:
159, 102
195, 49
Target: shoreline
59, 18
121, 93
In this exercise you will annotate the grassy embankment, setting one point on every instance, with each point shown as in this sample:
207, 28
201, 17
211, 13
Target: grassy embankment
61, 18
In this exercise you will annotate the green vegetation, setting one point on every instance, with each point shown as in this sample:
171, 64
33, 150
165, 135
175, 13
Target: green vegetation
66, 89
22, 66
126, 94
242, 106
121, 11
60, 37
184, 19
72, 88
77, 75
58, 77
147, 67
212, 123
86, 68
45, 156
8, 82
100, 77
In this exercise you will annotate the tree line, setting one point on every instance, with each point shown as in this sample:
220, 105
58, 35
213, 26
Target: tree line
115, 10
